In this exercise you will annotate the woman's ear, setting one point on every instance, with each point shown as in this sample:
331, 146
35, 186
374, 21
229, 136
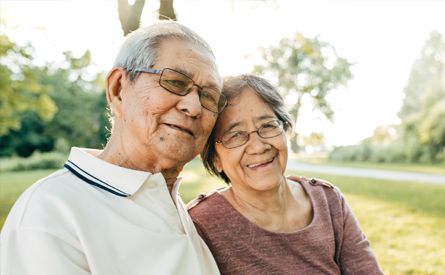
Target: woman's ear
217, 164
115, 84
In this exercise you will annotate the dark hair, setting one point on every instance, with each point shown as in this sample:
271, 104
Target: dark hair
233, 86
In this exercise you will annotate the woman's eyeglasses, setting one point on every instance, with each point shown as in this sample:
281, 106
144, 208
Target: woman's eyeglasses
236, 139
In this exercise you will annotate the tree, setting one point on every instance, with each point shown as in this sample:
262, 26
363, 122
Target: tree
130, 15
420, 137
81, 119
305, 67
423, 110
20, 86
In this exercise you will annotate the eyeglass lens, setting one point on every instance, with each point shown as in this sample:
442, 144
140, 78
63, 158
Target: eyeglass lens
267, 130
181, 84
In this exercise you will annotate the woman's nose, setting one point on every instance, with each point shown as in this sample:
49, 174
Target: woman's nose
256, 144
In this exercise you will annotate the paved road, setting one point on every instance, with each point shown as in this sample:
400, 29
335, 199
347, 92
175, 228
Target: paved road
366, 173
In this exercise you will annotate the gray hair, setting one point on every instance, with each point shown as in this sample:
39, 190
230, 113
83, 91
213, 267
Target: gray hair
140, 49
233, 87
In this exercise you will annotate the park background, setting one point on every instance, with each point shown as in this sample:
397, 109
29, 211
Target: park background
365, 82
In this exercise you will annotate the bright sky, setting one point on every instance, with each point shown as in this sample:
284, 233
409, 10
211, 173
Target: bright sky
384, 38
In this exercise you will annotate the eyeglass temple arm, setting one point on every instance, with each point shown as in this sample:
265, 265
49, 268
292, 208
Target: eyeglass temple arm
150, 71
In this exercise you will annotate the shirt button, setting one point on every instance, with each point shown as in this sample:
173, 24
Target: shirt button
171, 211
152, 184
201, 196
313, 180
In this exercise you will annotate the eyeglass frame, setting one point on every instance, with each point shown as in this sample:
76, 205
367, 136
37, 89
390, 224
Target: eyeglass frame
153, 71
281, 126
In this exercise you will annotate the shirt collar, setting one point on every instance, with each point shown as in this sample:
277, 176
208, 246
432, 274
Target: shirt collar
117, 180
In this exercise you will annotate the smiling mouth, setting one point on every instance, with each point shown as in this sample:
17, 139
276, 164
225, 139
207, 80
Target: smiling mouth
181, 129
255, 165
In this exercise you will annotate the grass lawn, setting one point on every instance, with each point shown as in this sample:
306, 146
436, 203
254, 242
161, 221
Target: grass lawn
322, 158
404, 221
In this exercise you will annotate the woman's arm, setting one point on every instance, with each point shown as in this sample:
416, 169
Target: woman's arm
356, 255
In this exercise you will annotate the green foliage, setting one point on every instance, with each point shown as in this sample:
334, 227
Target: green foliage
81, 119
420, 138
20, 86
305, 67
423, 109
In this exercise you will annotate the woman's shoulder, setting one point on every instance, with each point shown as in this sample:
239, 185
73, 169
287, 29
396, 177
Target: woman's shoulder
319, 189
207, 204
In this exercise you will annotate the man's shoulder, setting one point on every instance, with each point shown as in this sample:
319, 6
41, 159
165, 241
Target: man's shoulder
43, 199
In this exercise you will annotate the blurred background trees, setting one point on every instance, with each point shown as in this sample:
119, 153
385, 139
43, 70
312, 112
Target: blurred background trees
21, 88
420, 137
49, 106
305, 67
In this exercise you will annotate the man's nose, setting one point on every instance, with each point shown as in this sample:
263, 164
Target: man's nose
190, 104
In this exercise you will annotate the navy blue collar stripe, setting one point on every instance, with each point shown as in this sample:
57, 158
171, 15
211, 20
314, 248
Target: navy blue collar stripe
88, 175
91, 182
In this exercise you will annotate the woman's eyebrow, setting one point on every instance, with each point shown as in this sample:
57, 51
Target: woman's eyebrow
264, 117
232, 125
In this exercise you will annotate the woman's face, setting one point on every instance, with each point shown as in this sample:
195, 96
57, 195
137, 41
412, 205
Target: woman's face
259, 164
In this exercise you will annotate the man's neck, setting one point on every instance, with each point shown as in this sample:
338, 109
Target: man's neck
117, 154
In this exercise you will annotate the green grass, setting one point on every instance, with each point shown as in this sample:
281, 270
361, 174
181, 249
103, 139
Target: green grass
322, 159
403, 220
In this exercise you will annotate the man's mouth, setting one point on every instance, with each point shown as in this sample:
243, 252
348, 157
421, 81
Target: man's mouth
181, 129
258, 164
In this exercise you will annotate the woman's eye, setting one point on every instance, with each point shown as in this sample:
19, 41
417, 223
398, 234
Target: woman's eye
234, 135
270, 126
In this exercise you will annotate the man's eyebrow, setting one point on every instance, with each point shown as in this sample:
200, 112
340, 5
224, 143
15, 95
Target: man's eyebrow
211, 85
184, 72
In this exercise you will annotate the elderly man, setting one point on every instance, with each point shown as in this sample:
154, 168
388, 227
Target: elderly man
117, 211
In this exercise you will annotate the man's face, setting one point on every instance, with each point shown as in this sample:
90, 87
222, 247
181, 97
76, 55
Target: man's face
159, 126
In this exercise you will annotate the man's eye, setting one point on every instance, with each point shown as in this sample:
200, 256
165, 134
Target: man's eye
175, 83
207, 96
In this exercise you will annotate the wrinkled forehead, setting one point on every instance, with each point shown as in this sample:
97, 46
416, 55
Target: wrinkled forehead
202, 59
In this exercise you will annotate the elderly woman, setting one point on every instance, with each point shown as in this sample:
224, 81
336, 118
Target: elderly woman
263, 223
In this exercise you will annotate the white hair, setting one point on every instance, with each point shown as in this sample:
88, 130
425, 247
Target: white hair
140, 48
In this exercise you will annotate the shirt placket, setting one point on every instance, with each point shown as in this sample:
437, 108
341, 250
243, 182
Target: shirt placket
161, 197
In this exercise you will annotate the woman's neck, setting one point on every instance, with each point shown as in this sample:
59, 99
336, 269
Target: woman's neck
282, 209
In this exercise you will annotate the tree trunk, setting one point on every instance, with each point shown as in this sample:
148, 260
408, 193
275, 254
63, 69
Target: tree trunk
293, 143
130, 16
166, 11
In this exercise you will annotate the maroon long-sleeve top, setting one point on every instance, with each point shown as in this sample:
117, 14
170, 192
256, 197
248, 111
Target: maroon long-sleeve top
332, 243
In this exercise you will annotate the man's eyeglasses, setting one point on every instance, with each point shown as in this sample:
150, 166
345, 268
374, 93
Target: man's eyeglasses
236, 139
180, 84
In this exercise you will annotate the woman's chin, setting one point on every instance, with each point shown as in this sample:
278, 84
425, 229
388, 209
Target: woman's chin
266, 182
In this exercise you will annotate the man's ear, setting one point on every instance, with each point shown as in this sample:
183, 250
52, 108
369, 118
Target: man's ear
217, 163
115, 83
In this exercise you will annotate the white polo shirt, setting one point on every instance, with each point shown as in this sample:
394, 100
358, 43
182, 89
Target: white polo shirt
97, 218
